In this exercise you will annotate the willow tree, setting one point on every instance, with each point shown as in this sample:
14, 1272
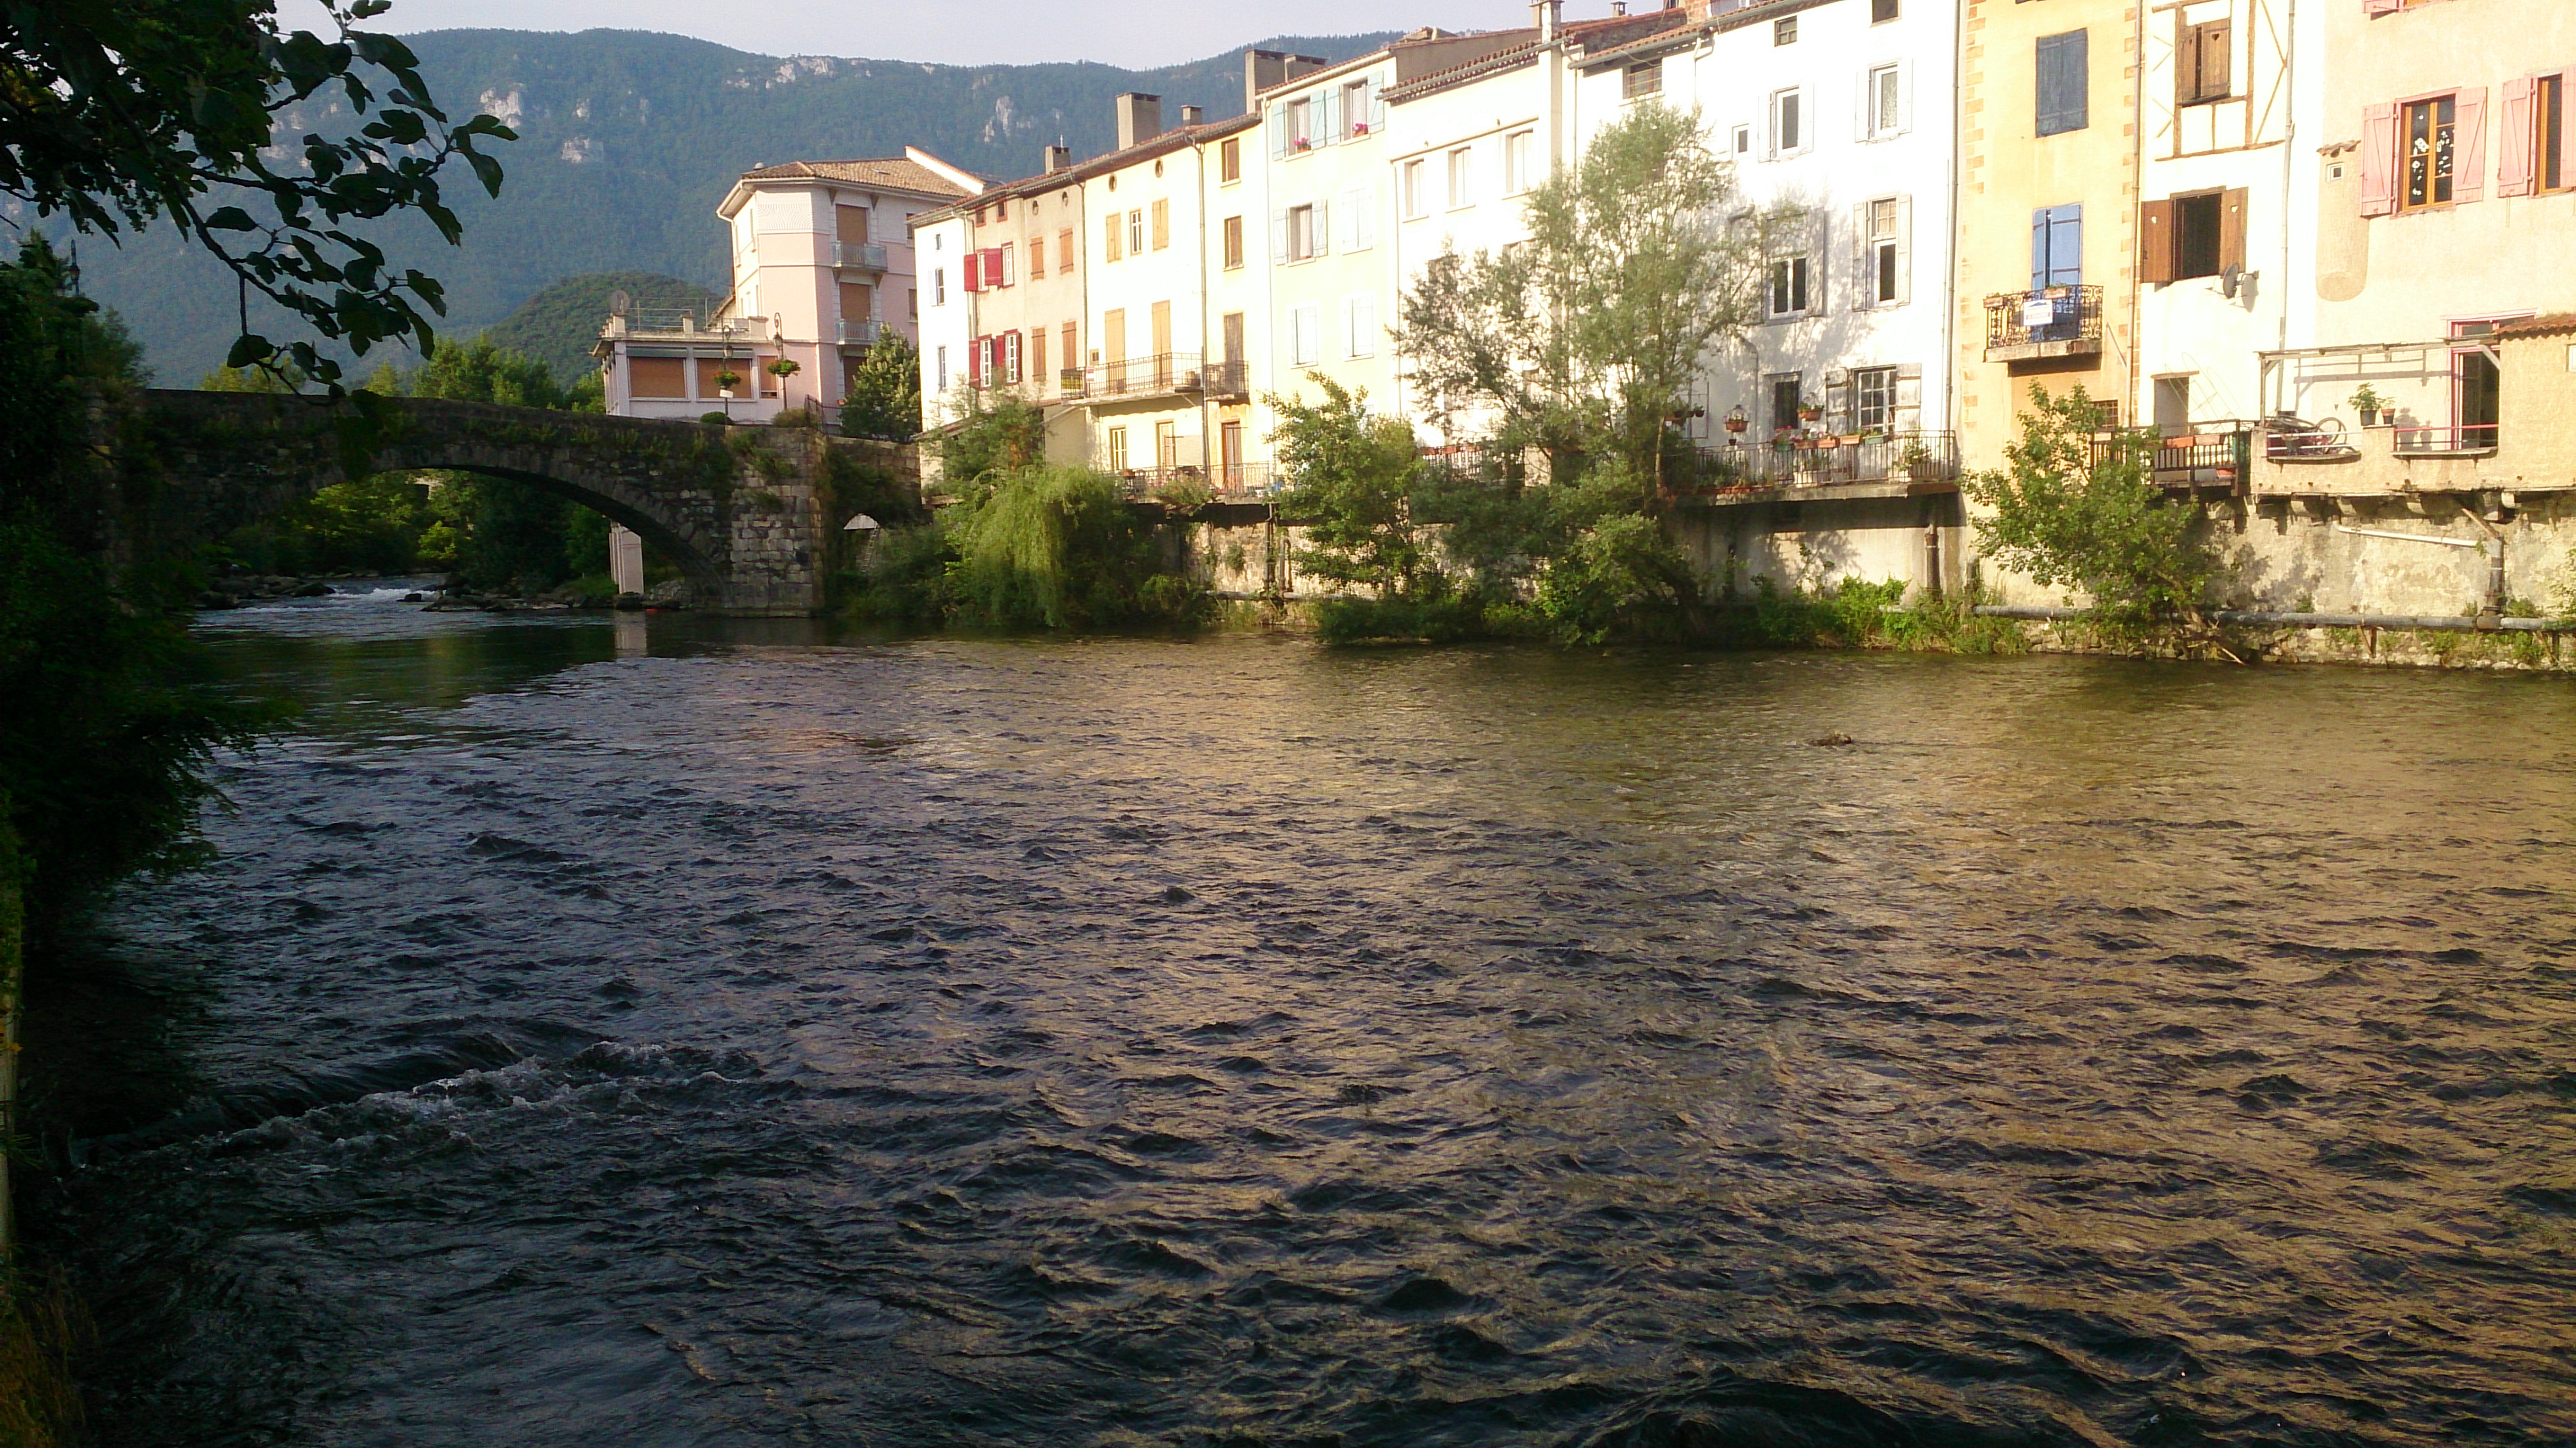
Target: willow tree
1591, 333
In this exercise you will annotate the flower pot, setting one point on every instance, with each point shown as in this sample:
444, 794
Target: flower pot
2370, 417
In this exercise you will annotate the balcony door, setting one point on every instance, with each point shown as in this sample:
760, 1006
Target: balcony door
850, 225
1113, 347
2057, 260
1162, 344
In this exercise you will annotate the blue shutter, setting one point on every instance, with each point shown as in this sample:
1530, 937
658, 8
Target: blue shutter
1328, 106
2056, 247
1278, 125
2062, 103
2039, 249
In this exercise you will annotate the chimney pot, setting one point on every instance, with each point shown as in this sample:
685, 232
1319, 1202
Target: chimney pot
1189, 115
1140, 118
1058, 158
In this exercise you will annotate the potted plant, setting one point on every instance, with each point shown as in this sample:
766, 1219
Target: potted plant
1810, 411
1736, 421
2369, 404
726, 381
783, 368
1916, 461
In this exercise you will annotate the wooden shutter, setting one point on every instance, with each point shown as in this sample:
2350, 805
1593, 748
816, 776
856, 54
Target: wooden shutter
1069, 353
1161, 316
1906, 412
2469, 142
1162, 223
974, 267
1905, 252
2381, 7
1109, 235
856, 298
2231, 230
1064, 251
1863, 263
1323, 228
995, 273
2379, 160
1037, 355
2156, 242
2062, 103
1037, 255
663, 377
2520, 131
850, 225
2217, 60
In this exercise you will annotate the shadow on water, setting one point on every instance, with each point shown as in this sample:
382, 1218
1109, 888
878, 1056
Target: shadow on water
678, 1031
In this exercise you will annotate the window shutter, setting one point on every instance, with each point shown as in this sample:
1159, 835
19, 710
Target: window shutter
2380, 7
1908, 412
1867, 294
2217, 61
974, 272
1328, 102
2156, 242
1279, 237
2231, 230
1365, 228
1350, 222
2514, 161
2186, 62
1838, 402
1323, 227
2039, 249
2469, 173
1904, 96
1905, 254
2379, 160
1822, 233
1861, 99
1377, 110
1277, 125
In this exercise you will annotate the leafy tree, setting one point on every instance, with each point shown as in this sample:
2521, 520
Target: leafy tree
117, 115
995, 438
498, 532
1351, 477
1591, 333
1058, 547
2072, 510
884, 396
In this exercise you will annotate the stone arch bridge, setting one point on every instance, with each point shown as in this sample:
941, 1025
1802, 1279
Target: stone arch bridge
749, 514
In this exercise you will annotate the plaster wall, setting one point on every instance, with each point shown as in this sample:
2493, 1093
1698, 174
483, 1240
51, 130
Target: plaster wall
1343, 176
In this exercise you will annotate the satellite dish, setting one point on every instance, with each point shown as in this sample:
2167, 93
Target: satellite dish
861, 523
619, 304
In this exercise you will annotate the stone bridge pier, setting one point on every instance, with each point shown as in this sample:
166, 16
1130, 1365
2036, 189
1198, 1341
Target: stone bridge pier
748, 514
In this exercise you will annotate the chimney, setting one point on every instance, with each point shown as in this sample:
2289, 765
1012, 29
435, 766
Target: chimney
1140, 118
1058, 158
1189, 115
1267, 69
1547, 16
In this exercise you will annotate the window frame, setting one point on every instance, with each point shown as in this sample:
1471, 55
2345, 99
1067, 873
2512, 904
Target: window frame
1784, 31
2191, 62
1519, 148
1229, 161
1642, 79
2081, 117
1789, 276
1883, 11
2441, 170
1861, 380
1352, 351
1305, 334
1885, 84
2550, 134
1792, 99
1409, 182
1461, 172
1233, 243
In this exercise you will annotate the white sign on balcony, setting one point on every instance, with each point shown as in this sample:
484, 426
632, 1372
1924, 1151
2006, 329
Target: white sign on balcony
2038, 311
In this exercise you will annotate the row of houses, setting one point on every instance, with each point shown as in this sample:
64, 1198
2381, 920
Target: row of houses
2324, 249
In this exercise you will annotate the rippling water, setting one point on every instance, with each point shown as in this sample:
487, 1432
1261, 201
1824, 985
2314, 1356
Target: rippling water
707, 1036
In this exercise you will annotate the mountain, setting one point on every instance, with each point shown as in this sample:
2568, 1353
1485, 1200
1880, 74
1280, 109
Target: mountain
628, 139
558, 325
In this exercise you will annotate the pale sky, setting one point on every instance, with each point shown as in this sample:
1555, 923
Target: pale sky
1134, 36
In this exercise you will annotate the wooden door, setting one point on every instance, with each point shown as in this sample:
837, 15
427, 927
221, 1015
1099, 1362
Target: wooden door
1113, 346
1162, 344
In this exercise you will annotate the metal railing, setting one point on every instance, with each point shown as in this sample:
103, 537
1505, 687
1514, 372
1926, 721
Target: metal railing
863, 255
2050, 322
2475, 437
2209, 455
1825, 462
1138, 377
2291, 439
861, 332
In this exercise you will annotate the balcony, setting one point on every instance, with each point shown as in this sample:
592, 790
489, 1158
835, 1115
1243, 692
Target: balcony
862, 332
859, 255
2052, 322
2386, 419
1857, 467
2214, 455
1137, 378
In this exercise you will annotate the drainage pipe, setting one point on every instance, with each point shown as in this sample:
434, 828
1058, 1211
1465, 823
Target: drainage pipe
2485, 623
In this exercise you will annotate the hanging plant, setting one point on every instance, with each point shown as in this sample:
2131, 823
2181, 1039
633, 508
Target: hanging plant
784, 367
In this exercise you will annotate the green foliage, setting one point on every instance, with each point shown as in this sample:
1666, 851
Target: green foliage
1054, 547
498, 533
110, 721
1351, 478
1591, 334
561, 322
901, 580
884, 396
2073, 511
993, 439
374, 525
122, 115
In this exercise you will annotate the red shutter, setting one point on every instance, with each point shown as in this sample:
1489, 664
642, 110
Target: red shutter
992, 267
2469, 163
2379, 160
2380, 7
2516, 133
974, 273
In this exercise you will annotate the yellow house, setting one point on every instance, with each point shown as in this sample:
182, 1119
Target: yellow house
2048, 204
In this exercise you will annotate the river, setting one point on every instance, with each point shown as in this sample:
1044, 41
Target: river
666, 1031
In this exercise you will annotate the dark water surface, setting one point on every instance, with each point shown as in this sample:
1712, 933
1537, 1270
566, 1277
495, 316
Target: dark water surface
708, 1037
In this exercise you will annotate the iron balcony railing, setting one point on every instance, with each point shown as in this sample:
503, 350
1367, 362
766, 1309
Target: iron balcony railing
861, 332
2048, 322
861, 255
2206, 455
2416, 442
1826, 462
1141, 377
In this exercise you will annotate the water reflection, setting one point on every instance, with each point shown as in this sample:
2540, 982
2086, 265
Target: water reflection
1144, 1042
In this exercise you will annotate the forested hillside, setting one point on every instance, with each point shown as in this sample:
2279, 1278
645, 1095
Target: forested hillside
627, 141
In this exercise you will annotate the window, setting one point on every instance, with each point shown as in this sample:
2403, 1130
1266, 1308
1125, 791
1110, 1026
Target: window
1743, 140
1884, 228
1229, 160
1068, 346
1873, 398
1233, 243
1010, 271
1230, 452
1162, 225
1167, 445
2056, 247
940, 364
2533, 153
2430, 127
1788, 286
1786, 399
1886, 97
2476, 388
2173, 405
939, 286
2551, 109
2202, 65
1359, 324
1645, 78
1301, 123
1416, 204
1359, 220
1064, 252
1136, 233
1301, 233
1001, 210
1881, 11
912, 303
1355, 107
1518, 148
1110, 235
1231, 328
2062, 84
1010, 356
1462, 178
1788, 123
1784, 31
1037, 355
1305, 334
1118, 449
656, 377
